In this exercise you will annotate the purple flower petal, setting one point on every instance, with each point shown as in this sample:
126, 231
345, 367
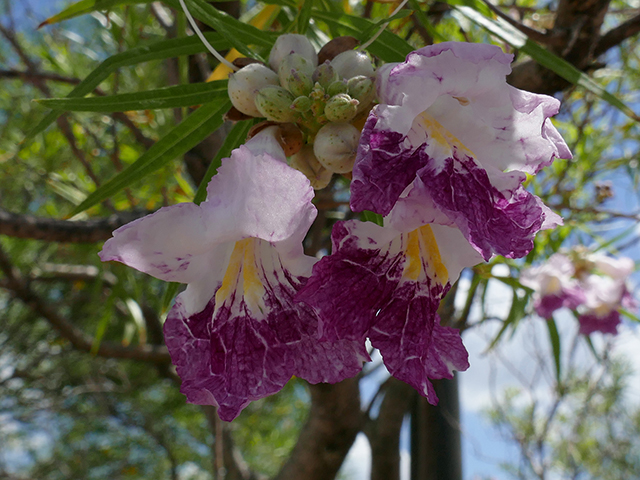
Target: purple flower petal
387, 285
252, 337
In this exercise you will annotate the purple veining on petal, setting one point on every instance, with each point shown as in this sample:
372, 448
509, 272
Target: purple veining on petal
491, 222
349, 286
569, 297
590, 322
235, 352
397, 313
383, 169
414, 346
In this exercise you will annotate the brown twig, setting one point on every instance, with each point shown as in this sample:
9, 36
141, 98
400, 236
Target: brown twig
21, 289
64, 231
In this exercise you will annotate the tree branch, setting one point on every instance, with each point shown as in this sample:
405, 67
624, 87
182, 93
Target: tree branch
384, 432
20, 288
65, 231
617, 35
332, 425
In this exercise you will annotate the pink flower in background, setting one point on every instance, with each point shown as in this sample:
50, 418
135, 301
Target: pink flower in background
554, 285
593, 284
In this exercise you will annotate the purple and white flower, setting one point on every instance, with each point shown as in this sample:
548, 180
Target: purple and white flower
554, 285
592, 284
442, 158
235, 334
450, 131
385, 284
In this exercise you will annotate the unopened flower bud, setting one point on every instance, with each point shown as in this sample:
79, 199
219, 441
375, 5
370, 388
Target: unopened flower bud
336, 145
302, 104
274, 103
306, 162
245, 84
341, 108
335, 47
325, 75
352, 63
362, 89
295, 74
296, 62
291, 43
337, 87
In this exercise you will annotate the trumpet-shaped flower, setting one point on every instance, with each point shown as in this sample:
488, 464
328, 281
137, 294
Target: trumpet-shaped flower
235, 334
451, 129
593, 284
386, 284
553, 285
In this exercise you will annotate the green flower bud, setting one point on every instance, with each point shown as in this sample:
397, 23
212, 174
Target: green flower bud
274, 103
336, 145
302, 104
325, 75
352, 63
306, 162
295, 74
291, 43
341, 108
337, 87
245, 84
362, 89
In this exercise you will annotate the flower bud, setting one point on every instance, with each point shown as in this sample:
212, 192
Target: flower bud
362, 89
325, 75
337, 87
291, 43
306, 162
245, 84
274, 103
295, 74
341, 108
302, 104
336, 145
352, 63
335, 47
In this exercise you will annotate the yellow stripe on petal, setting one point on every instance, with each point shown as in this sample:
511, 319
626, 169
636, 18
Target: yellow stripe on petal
422, 251
431, 253
443, 137
413, 267
242, 276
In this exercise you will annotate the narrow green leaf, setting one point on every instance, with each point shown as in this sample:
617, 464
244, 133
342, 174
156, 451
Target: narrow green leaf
629, 315
169, 294
369, 32
235, 138
477, 5
195, 128
87, 6
519, 40
388, 47
372, 217
168, 97
238, 34
516, 313
424, 21
304, 15
158, 51
554, 337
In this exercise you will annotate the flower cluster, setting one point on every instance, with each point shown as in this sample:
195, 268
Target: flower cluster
592, 284
442, 157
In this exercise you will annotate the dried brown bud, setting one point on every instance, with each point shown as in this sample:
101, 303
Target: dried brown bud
336, 47
235, 115
244, 61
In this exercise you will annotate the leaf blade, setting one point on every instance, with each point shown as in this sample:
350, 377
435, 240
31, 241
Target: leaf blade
167, 97
182, 138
